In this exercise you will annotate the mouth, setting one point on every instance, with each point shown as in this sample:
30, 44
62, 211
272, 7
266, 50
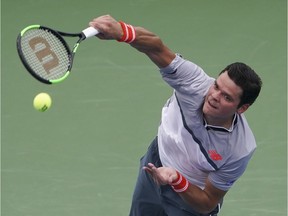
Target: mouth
211, 105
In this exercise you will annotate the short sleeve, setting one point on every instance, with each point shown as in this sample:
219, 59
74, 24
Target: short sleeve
227, 175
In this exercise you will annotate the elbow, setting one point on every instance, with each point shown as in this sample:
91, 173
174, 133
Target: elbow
206, 209
203, 208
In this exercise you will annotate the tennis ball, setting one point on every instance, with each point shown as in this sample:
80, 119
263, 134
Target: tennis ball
42, 102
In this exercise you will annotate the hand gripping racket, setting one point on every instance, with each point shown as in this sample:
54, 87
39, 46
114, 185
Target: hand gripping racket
46, 55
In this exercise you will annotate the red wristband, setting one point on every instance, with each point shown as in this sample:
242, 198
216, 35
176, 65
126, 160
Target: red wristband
129, 33
180, 184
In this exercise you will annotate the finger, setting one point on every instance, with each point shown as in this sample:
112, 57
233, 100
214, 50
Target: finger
101, 36
147, 169
152, 166
152, 174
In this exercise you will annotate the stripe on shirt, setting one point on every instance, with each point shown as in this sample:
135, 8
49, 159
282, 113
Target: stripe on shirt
195, 138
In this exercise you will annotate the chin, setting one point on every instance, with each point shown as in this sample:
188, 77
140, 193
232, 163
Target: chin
209, 111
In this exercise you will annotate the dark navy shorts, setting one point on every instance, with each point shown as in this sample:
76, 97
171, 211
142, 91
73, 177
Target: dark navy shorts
149, 199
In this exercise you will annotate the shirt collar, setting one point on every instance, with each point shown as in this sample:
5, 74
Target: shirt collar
219, 128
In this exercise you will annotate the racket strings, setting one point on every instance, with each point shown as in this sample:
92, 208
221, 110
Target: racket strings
45, 53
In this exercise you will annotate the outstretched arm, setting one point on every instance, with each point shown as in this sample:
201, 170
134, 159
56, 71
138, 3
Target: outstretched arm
145, 41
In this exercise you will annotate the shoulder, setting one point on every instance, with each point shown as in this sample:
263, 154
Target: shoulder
182, 67
244, 136
186, 77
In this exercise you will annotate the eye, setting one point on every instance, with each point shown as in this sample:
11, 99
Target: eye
227, 98
216, 87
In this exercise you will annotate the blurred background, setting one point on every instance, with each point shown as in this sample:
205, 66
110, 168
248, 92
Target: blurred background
81, 157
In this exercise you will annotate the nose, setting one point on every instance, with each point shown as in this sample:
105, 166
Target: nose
216, 95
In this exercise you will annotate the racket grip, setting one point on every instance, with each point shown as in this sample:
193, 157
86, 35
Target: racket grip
90, 31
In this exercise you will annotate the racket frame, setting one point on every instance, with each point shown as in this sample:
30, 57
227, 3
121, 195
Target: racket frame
59, 35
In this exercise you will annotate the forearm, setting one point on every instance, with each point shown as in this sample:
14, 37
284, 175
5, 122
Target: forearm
199, 199
145, 41
150, 44
203, 201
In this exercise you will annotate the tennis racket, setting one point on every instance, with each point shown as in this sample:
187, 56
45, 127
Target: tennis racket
45, 53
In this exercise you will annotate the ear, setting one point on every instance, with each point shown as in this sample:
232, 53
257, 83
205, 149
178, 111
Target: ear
243, 108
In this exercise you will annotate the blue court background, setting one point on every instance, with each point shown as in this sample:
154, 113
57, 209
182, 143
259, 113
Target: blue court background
81, 156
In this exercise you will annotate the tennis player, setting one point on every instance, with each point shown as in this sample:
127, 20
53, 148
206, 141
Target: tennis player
204, 142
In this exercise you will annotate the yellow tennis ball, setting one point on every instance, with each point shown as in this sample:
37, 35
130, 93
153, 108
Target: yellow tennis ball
42, 102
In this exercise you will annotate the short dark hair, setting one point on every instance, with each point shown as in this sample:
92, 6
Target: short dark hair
247, 79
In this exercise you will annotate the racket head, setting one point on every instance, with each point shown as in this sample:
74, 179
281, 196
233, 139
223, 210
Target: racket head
44, 53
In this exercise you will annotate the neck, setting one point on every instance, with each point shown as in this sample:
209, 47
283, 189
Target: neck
225, 123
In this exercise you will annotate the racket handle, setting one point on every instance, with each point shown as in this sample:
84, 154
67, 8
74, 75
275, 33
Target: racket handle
90, 31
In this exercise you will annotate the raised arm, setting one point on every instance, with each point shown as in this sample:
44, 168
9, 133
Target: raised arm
145, 41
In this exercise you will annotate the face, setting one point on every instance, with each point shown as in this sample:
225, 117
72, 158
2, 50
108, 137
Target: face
222, 101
